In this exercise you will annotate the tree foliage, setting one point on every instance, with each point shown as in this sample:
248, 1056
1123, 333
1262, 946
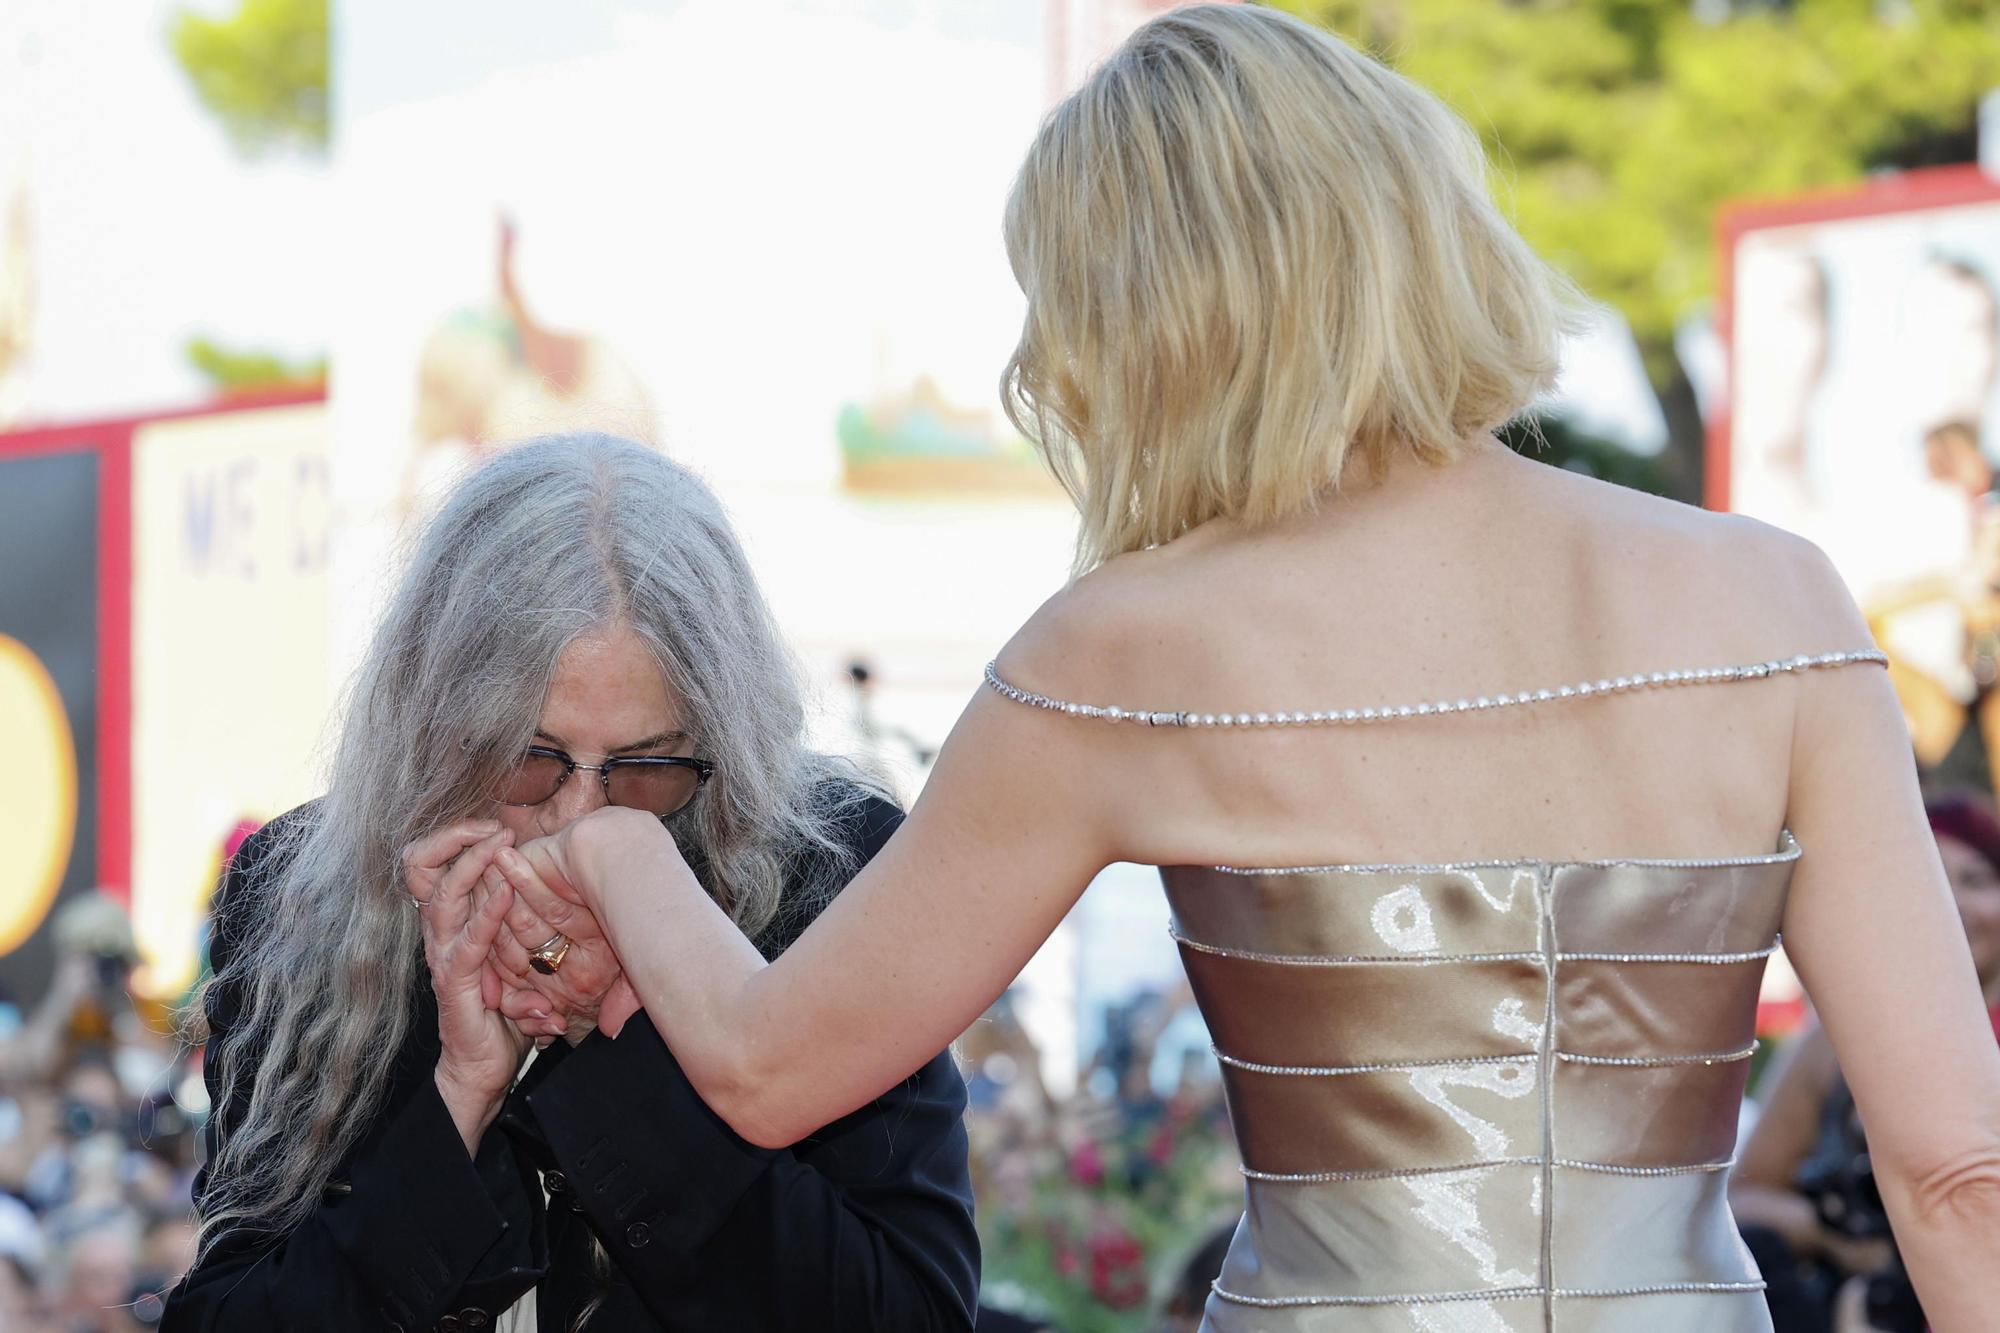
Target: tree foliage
238, 370
1617, 128
261, 70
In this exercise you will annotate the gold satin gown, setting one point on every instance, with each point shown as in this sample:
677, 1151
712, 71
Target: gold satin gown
1483, 1097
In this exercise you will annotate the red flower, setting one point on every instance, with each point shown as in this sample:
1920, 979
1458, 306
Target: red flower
1086, 1165
1117, 1268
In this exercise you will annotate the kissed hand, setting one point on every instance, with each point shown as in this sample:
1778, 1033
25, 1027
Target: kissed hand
586, 988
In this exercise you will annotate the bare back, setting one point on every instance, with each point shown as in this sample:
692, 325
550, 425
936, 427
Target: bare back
1496, 575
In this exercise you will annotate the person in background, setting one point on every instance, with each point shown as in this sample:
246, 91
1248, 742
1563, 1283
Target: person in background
1803, 1191
1192, 1284
88, 1008
1952, 455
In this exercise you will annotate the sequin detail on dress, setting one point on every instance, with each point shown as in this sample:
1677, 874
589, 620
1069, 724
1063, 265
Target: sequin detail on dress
1439, 707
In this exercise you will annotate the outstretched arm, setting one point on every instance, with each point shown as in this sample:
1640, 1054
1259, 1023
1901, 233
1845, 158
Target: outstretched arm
1877, 940
1011, 828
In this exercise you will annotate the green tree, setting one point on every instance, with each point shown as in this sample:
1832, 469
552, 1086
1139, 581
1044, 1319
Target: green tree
261, 70
236, 371
1617, 128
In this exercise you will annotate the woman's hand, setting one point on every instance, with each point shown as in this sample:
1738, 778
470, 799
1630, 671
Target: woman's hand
481, 1050
573, 862
590, 973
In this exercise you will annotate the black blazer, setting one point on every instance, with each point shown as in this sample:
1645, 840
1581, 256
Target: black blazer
867, 1225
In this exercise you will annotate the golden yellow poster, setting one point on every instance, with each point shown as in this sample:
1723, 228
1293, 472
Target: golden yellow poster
230, 692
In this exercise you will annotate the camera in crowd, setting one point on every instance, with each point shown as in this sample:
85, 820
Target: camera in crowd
1840, 1180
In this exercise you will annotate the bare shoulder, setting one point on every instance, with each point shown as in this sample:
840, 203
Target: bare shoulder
1775, 586
1082, 642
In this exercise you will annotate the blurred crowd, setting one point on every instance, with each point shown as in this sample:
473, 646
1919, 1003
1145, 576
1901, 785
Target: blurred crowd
1104, 1209
98, 1119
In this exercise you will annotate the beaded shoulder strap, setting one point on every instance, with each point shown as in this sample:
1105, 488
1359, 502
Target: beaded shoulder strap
1350, 716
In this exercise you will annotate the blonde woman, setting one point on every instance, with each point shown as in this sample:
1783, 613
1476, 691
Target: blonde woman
1513, 778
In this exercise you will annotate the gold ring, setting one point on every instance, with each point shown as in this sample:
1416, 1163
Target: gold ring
548, 959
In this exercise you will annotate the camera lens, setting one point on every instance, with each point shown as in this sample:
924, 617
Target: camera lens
79, 1119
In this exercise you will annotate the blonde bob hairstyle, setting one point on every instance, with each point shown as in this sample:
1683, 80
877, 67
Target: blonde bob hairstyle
1250, 250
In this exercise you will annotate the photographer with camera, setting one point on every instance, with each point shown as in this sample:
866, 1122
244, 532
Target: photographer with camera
1804, 1191
88, 1007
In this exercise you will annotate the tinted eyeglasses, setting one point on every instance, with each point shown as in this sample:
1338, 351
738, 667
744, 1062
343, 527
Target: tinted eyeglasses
659, 784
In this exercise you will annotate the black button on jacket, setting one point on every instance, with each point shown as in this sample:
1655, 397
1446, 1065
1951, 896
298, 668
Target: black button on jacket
866, 1225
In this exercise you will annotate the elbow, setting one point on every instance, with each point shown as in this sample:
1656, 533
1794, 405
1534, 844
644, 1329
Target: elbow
758, 1125
1958, 1194
748, 1098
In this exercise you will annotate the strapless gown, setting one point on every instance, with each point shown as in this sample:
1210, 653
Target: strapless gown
1486, 1097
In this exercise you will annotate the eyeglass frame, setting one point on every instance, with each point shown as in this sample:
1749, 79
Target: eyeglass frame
703, 770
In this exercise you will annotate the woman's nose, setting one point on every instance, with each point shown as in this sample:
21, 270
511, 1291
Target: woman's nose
576, 798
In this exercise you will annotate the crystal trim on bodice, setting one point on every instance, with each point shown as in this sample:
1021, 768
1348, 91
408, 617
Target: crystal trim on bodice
1500, 1092
1440, 707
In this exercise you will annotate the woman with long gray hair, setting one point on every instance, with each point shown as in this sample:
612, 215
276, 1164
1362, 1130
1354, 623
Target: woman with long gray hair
578, 627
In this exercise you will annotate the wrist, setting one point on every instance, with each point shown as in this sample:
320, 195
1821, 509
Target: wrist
472, 1109
613, 838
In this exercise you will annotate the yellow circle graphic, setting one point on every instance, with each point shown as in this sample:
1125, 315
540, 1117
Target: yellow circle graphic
37, 792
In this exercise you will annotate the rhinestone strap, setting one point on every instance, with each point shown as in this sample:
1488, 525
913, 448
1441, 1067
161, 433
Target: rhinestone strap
1385, 1067
1609, 1169
1411, 1298
1436, 708
1461, 1168
1344, 960
1403, 1173
1567, 1057
1490, 1294
1712, 959
1435, 958
1659, 1061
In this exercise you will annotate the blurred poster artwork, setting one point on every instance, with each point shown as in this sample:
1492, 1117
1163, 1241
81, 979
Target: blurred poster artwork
1864, 337
49, 675
490, 373
232, 524
811, 310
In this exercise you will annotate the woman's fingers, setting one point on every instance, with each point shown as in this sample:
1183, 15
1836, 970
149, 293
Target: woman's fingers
450, 904
512, 956
464, 872
467, 954
425, 859
541, 855
534, 898
529, 1010
524, 1005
